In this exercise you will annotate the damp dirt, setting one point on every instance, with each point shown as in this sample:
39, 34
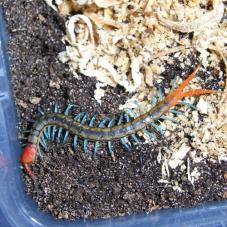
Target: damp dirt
71, 184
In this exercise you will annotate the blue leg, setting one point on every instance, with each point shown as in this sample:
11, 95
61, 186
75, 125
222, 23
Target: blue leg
149, 134
188, 104
41, 111
96, 147
69, 107
76, 118
59, 135
46, 133
158, 128
174, 83
53, 132
110, 148
168, 119
65, 137
120, 119
111, 123
85, 146
176, 112
91, 123
134, 137
75, 142
84, 119
154, 100
39, 152
43, 142
124, 142
56, 109
66, 112
161, 94
131, 113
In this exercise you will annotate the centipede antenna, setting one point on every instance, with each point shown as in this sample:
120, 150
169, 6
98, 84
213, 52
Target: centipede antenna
69, 107
124, 142
134, 137
59, 135
41, 111
161, 94
176, 112
188, 104
158, 128
168, 119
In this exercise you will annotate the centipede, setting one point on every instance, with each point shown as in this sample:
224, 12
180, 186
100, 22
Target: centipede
124, 127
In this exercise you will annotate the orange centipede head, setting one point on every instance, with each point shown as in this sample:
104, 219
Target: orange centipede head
29, 153
27, 157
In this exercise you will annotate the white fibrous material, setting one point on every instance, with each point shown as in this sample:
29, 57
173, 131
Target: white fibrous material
127, 43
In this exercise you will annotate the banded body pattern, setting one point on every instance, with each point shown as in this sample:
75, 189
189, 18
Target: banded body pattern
51, 126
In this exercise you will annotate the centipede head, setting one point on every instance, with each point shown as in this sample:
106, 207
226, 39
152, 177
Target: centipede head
27, 157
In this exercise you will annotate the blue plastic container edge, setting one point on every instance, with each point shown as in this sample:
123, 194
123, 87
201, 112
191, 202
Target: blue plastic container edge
17, 209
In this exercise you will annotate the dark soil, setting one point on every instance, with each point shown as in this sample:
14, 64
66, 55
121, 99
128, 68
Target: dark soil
71, 185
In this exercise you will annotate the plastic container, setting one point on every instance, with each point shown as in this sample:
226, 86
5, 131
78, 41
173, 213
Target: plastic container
18, 209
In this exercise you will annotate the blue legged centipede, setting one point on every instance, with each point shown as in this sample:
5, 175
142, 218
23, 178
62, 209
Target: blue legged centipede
106, 131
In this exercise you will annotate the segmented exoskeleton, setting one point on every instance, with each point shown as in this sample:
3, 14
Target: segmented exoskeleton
114, 129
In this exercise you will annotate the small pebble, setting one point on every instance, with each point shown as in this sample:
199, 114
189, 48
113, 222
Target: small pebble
35, 100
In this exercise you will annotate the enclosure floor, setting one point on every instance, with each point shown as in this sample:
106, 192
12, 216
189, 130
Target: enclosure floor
70, 184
